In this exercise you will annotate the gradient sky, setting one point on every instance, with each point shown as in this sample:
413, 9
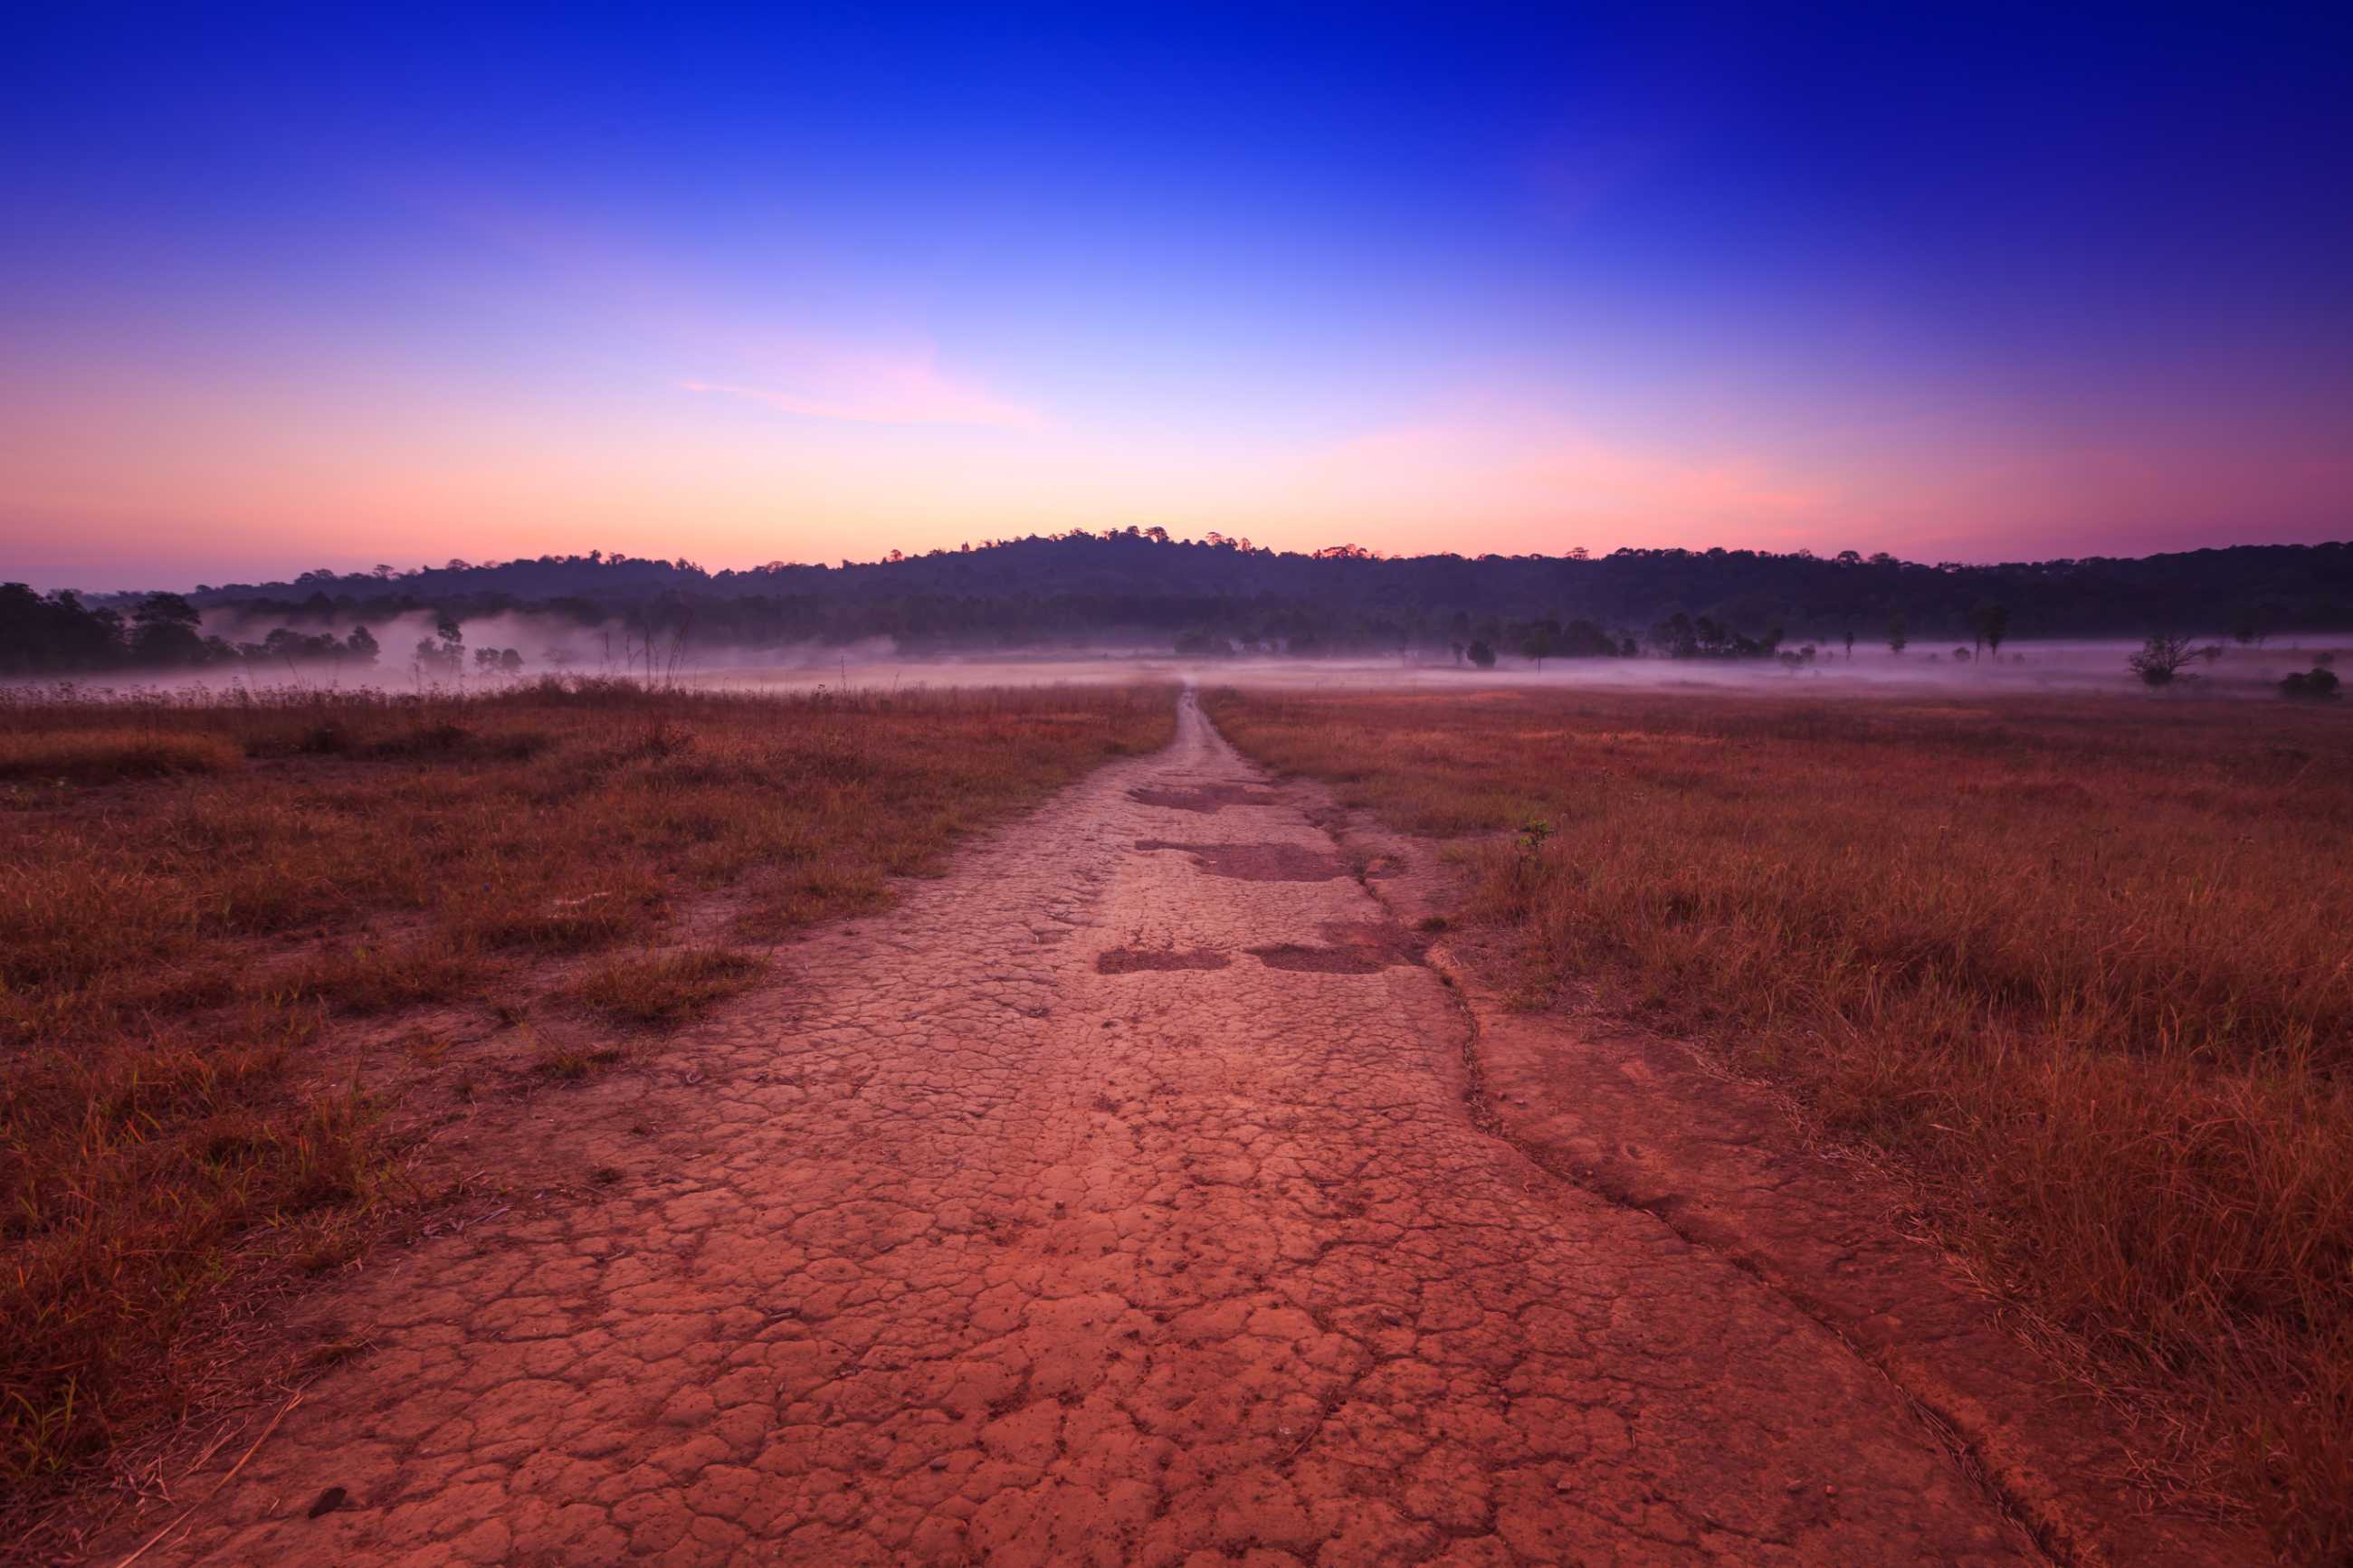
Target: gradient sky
323, 285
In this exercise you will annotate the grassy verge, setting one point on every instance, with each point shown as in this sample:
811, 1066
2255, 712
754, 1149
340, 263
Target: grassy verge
2083, 966
196, 894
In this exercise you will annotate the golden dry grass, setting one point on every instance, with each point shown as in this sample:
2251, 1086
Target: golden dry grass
101, 755
197, 895
651, 990
2081, 965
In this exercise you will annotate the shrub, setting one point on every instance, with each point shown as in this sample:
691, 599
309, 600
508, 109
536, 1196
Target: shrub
2318, 684
2160, 658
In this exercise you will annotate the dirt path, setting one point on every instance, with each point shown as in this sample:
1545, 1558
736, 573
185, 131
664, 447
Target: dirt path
1043, 1221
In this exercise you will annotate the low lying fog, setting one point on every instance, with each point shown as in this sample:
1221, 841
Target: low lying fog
2026, 667
2022, 666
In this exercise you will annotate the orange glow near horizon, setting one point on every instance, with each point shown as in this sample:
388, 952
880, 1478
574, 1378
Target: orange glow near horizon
125, 483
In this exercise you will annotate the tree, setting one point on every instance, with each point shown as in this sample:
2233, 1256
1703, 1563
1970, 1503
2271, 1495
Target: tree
1542, 641
361, 645
1897, 638
1850, 632
1482, 655
2160, 658
1992, 625
163, 632
446, 656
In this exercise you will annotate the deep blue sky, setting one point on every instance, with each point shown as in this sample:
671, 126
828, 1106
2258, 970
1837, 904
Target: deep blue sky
330, 284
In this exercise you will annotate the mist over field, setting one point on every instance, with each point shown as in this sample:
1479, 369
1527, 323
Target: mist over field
560, 650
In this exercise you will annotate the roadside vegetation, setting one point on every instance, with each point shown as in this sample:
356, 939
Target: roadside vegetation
200, 898
2083, 966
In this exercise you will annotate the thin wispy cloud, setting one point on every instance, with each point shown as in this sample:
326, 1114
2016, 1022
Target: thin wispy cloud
882, 376
885, 390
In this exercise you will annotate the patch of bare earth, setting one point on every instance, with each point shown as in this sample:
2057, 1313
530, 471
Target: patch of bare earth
1131, 961
1349, 947
1206, 799
1257, 862
967, 1250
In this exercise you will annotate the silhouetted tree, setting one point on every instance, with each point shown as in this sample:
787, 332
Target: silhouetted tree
2160, 658
163, 633
1991, 623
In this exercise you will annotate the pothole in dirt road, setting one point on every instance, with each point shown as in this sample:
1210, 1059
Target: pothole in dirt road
1349, 947
1133, 961
1208, 799
1257, 862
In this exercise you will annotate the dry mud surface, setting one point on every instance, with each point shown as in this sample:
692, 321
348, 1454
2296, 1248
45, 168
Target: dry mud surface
974, 1243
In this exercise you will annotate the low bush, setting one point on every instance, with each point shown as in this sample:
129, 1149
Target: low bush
2318, 684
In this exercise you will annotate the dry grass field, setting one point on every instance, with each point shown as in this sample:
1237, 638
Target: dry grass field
2081, 965
200, 898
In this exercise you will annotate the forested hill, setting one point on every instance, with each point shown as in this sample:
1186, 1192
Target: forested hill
1143, 588
1104, 585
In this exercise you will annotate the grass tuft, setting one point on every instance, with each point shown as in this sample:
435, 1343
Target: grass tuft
661, 990
573, 1063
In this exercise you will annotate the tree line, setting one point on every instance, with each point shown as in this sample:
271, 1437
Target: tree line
1141, 588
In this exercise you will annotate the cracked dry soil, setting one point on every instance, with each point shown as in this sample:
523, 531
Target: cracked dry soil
970, 1246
